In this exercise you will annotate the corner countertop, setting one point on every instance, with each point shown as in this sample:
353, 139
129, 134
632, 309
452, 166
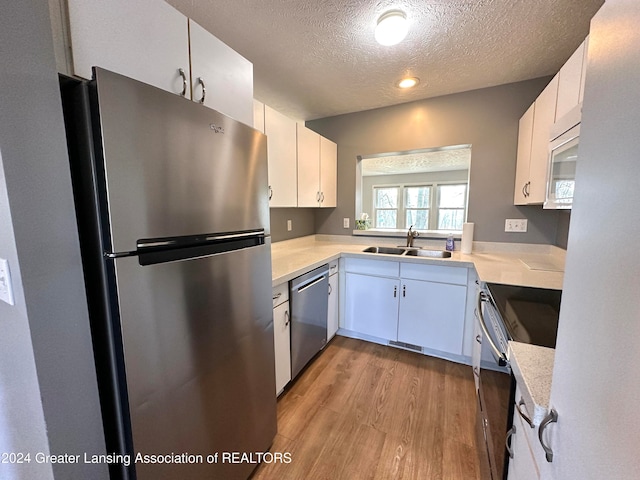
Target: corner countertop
533, 368
494, 262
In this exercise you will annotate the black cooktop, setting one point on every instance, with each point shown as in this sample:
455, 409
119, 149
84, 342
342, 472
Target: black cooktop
530, 315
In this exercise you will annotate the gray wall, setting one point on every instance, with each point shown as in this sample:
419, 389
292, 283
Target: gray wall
487, 119
302, 222
48, 392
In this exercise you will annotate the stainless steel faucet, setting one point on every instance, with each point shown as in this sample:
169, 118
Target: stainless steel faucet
411, 234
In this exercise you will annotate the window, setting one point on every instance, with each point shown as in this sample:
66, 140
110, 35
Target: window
399, 207
451, 206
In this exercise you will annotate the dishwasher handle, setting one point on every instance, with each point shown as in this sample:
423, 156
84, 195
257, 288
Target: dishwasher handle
304, 283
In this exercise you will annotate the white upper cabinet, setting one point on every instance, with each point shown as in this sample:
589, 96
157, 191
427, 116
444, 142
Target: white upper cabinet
146, 40
585, 48
569, 83
531, 176
258, 116
281, 154
152, 42
328, 173
308, 148
317, 169
221, 78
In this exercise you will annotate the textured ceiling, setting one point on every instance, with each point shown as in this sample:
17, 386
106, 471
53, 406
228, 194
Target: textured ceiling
431, 160
318, 58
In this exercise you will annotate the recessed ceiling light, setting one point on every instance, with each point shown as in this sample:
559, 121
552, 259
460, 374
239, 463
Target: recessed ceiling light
392, 28
408, 82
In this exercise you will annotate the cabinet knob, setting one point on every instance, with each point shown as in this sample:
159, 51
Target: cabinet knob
184, 82
204, 90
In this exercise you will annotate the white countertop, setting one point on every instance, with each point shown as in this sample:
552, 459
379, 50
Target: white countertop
533, 368
495, 263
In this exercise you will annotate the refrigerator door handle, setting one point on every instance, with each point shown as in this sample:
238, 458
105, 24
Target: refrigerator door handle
120, 254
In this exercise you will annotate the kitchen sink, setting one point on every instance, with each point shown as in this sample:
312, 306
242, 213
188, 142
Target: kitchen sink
409, 251
385, 250
429, 253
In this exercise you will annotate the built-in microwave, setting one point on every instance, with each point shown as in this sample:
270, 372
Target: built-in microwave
563, 156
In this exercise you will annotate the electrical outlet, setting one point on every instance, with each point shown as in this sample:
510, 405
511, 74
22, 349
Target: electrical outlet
515, 225
289, 226
345, 222
6, 291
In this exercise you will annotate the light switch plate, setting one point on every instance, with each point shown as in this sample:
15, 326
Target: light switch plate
289, 226
345, 222
6, 291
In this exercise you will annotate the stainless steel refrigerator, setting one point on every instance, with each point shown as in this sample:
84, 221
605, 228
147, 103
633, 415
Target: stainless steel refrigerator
173, 215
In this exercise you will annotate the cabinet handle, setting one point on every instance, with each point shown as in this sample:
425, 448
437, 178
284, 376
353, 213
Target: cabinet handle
277, 296
321, 197
204, 90
507, 442
395, 291
475, 371
330, 289
286, 318
184, 82
404, 290
270, 192
524, 417
551, 418
524, 190
479, 339
318, 197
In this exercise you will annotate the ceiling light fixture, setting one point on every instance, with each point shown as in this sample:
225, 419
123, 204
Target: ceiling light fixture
408, 82
392, 28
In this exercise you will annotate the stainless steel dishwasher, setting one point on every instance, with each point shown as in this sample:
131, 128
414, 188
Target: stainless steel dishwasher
309, 306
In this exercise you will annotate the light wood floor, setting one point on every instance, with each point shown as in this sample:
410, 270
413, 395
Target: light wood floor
367, 411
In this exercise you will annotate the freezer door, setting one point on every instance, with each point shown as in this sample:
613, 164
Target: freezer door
168, 167
199, 359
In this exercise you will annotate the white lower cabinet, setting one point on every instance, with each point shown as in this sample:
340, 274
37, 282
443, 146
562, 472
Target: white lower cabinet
282, 336
523, 464
432, 315
333, 311
421, 305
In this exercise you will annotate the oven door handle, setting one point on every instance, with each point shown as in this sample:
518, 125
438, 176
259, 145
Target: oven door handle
482, 297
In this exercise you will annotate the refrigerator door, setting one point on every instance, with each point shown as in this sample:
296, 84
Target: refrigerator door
170, 167
198, 359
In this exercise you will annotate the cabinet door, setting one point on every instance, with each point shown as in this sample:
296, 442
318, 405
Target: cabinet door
583, 75
308, 154
525, 132
146, 40
522, 465
569, 83
332, 317
226, 76
328, 173
545, 113
432, 315
371, 305
281, 153
258, 116
282, 344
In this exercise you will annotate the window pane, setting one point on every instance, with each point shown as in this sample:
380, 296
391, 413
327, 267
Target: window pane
418, 218
452, 196
564, 189
386, 218
417, 197
450, 219
386, 197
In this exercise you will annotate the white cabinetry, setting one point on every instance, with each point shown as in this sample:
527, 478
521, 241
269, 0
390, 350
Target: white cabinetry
226, 76
317, 169
146, 40
527, 454
569, 83
152, 42
281, 153
533, 166
333, 311
282, 335
422, 305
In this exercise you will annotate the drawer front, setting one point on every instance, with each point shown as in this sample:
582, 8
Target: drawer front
280, 294
434, 273
333, 267
372, 267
